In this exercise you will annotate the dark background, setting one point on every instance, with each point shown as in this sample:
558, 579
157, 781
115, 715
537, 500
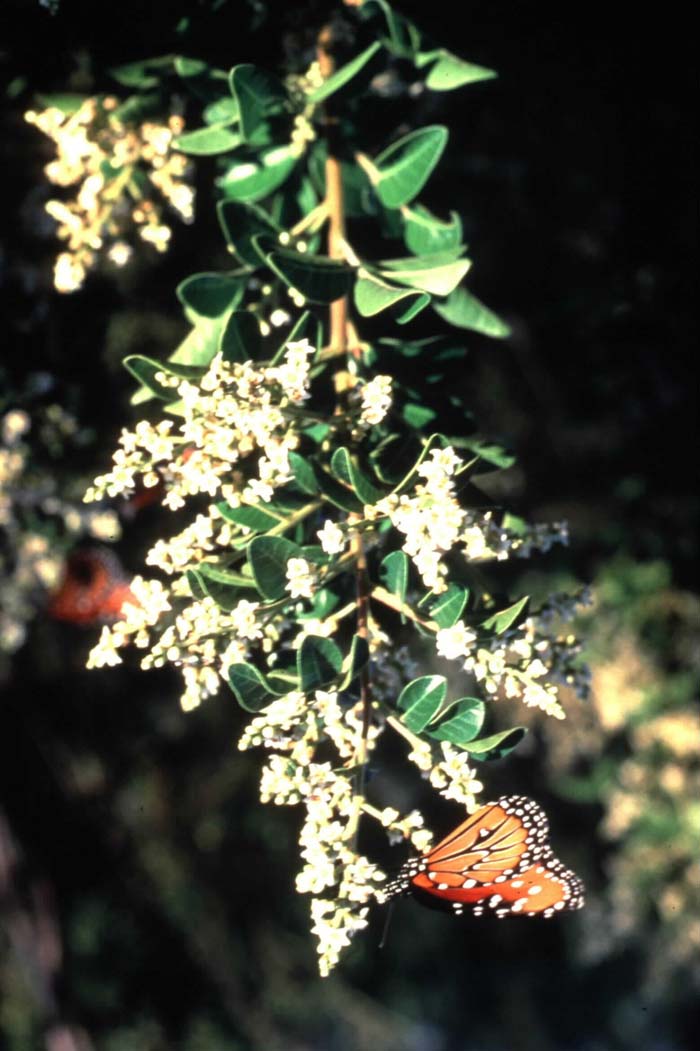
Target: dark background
574, 175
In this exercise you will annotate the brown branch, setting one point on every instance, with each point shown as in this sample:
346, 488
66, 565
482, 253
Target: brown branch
340, 341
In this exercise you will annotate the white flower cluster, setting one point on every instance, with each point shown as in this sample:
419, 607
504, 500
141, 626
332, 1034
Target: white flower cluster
235, 410
430, 518
100, 154
196, 636
296, 725
300, 87
454, 778
434, 523
376, 400
485, 540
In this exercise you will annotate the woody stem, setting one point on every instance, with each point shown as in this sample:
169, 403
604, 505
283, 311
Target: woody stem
341, 344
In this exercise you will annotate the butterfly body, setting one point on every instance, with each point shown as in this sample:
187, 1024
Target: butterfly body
498, 859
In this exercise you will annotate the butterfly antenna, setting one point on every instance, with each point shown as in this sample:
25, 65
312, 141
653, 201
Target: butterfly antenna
387, 921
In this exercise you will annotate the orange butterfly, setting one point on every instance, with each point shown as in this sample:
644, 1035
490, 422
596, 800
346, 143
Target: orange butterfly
93, 589
499, 858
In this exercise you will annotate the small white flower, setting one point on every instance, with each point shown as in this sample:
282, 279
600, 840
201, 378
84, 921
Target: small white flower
332, 538
302, 578
455, 642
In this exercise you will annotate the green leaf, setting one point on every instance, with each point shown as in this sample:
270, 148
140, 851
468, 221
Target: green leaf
461, 722
417, 416
250, 687
488, 451
241, 222
335, 493
268, 557
136, 74
500, 622
252, 516
222, 111
450, 72
393, 572
464, 310
421, 700
210, 295
146, 371
322, 605
346, 469
404, 38
190, 67
219, 583
251, 180
319, 663
65, 101
319, 279
439, 279
354, 662
240, 337
205, 142
449, 606
497, 745
304, 474
202, 343
257, 93
425, 234
374, 295
346, 74
405, 167
283, 680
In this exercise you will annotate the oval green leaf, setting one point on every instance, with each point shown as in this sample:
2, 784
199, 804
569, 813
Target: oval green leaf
206, 142
319, 663
374, 295
421, 700
424, 233
319, 279
268, 557
464, 310
497, 745
251, 180
250, 687
500, 622
461, 722
405, 167
240, 337
344, 76
210, 295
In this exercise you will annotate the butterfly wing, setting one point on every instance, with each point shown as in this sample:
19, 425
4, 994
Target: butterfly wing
498, 857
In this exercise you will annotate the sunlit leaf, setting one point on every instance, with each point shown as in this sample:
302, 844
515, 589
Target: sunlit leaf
461, 722
464, 310
497, 745
347, 74
420, 701
425, 234
208, 141
253, 179
405, 167
500, 622
374, 295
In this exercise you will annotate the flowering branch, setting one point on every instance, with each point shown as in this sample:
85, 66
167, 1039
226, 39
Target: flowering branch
317, 491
